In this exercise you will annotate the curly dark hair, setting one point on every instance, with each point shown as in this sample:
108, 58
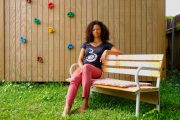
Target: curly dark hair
104, 31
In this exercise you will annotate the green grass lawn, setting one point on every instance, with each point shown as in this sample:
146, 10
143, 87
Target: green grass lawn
37, 101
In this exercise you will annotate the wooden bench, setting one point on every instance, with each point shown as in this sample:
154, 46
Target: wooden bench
146, 65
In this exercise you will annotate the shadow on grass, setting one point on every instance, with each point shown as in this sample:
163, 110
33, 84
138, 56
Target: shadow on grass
102, 101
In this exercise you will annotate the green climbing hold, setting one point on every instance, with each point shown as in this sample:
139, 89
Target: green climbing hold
36, 21
70, 14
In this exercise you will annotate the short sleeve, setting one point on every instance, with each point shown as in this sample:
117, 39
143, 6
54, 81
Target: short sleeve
84, 45
109, 46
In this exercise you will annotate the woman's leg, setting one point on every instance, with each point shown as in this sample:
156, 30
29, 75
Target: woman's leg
74, 85
72, 91
88, 72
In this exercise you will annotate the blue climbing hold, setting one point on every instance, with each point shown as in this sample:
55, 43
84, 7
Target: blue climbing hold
23, 40
70, 46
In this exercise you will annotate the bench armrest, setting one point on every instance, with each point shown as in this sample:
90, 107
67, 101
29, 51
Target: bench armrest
142, 68
71, 68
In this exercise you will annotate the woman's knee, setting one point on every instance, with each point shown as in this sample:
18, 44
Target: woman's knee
75, 79
86, 67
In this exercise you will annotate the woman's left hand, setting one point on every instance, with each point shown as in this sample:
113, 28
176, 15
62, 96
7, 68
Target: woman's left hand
103, 56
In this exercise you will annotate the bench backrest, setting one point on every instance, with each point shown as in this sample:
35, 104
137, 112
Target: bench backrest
128, 64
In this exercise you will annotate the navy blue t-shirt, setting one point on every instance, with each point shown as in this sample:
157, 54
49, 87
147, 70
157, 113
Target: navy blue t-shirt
93, 54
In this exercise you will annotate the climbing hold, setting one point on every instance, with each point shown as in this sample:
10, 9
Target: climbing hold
29, 1
36, 21
50, 5
23, 40
51, 30
70, 46
70, 14
40, 59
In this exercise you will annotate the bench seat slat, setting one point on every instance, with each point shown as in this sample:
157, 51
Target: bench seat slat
132, 64
149, 73
130, 89
136, 57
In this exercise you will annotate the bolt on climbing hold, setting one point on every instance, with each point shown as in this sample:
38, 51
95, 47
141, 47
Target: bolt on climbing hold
51, 30
50, 5
70, 14
23, 40
36, 21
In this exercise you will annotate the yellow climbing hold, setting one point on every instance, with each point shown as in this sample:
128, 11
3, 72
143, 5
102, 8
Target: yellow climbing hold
51, 30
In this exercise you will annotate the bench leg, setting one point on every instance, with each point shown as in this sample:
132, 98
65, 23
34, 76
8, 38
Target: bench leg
158, 108
137, 104
158, 105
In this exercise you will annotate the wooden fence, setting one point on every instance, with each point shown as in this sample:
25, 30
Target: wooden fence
136, 27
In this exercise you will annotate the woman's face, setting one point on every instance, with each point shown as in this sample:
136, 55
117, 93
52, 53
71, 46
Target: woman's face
96, 31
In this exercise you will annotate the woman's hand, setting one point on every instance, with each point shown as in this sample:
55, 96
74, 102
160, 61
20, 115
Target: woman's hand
103, 56
113, 51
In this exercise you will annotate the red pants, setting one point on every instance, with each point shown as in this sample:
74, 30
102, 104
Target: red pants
82, 76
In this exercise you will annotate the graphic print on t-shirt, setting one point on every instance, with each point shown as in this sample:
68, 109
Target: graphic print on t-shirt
92, 57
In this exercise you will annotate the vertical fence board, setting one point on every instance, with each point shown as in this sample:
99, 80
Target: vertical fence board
154, 26
100, 10
133, 27
45, 25
23, 46
29, 42
73, 33
51, 43
95, 9
127, 26
2, 37
67, 37
144, 26
18, 44
56, 41
116, 26
149, 26
84, 19
62, 40
122, 29
162, 33
106, 12
126, 30
89, 11
108, 18
40, 41
12, 35
7, 39
34, 41
122, 26
78, 28
138, 27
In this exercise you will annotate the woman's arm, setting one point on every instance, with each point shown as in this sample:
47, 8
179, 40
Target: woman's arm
81, 56
113, 51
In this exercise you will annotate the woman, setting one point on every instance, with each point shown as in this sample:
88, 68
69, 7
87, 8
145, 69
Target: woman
91, 57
